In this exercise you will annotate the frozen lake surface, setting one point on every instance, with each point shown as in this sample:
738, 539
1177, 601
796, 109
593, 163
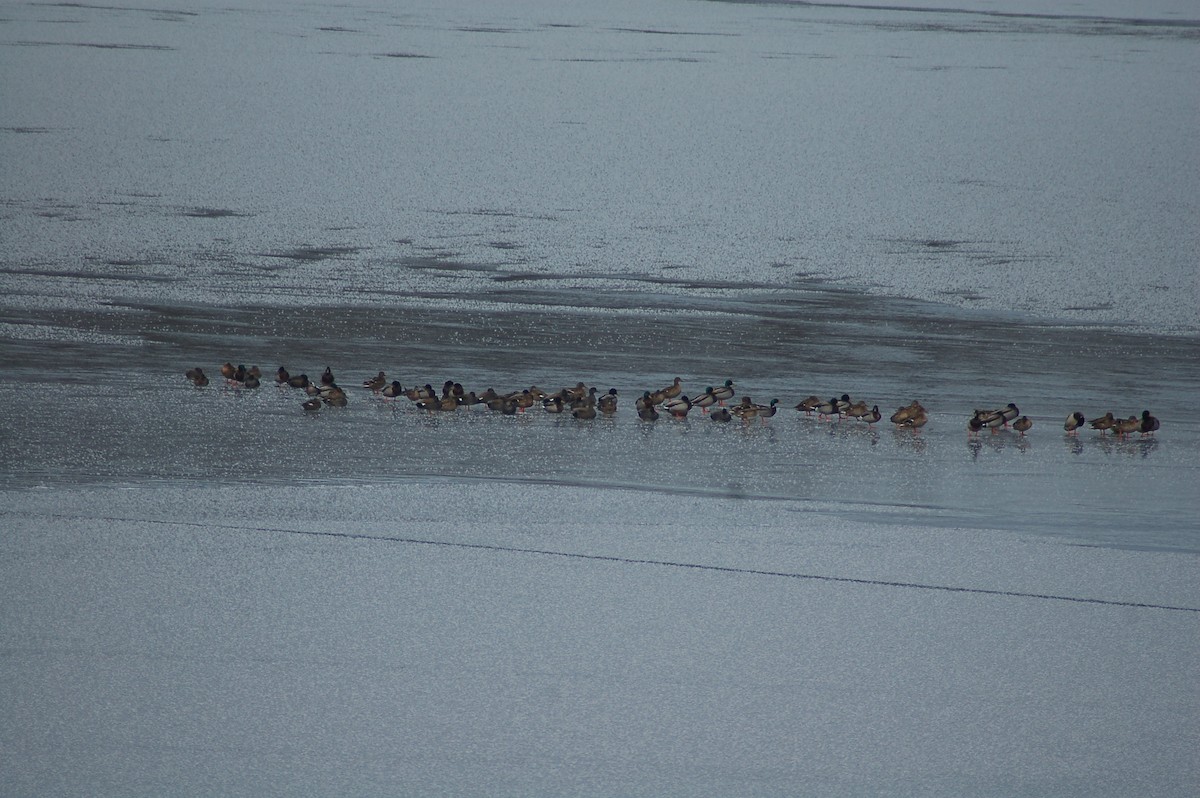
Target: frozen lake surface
210, 591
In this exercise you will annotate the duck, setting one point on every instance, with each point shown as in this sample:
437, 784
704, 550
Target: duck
311, 405
908, 411
553, 404
588, 399
723, 392
239, 374
871, 417
767, 410
678, 407
197, 377
584, 411
1125, 426
312, 389
1104, 423
376, 383
1149, 424
644, 401
393, 390
746, 410
807, 406
1009, 412
251, 381
254, 371
648, 413
705, 400
334, 397
282, 376
974, 425
843, 404
721, 414
1023, 424
1073, 423
419, 394
227, 370
993, 419
327, 376
299, 381
674, 389
857, 410
916, 421
608, 402
827, 409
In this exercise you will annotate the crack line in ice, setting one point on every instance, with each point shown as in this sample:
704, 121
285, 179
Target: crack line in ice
639, 561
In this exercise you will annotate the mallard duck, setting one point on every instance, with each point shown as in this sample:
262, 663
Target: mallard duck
857, 410
393, 390
376, 383
1104, 423
721, 414
334, 397
872, 416
584, 411
1009, 412
421, 393
312, 389
974, 425
647, 413
705, 400
807, 406
299, 381
843, 404
254, 371
282, 376
1073, 423
311, 405
827, 409
745, 410
674, 389
553, 404
1023, 424
1149, 424
678, 407
908, 411
327, 376
251, 381
227, 370
588, 399
767, 410
197, 377
916, 421
608, 402
723, 392
239, 374
1125, 426
644, 401
524, 400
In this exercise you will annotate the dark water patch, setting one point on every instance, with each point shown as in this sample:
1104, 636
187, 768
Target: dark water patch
490, 29
402, 55
665, 32
312, 254
170, 12
499, 213
337, 29
27, 129
94, 45
505, 245
210, 213
1099, 306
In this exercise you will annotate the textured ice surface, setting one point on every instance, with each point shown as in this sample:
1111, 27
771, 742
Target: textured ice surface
209, 591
